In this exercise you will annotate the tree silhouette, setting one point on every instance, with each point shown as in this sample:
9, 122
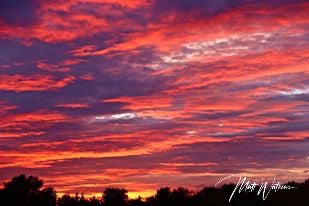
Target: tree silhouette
67, 200
181, 196
137, 202
163, 197
115, 197
26, 191
94, 202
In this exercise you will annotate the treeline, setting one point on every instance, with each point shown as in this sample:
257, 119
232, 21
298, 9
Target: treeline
29, 191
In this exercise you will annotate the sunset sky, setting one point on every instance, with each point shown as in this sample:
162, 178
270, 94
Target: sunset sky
142, 94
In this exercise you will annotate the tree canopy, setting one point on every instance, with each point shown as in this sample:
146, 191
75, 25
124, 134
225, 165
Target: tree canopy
29, 191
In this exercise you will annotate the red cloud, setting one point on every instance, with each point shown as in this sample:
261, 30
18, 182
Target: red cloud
55, 28
29, 124
143, 102
169, 34
26, 119
5, 107
71, 24
65, 5
232, 83
22, 83
87, 77
73, 105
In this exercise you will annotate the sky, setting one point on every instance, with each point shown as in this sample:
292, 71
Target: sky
149, 93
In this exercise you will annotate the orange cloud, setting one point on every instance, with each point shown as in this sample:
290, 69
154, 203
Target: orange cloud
63, 66
19, 134
143, 102
73, 105
232, 80
27, 124
55, 28
71, 24
182, 164
5, 107
52, 67
22, 83
65, 5
87, 77
240, 68
169, 35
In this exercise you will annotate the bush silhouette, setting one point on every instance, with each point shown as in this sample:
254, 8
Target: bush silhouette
29, 191
115, 197
26, 191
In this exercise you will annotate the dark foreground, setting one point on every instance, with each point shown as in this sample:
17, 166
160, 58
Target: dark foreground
29, 191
